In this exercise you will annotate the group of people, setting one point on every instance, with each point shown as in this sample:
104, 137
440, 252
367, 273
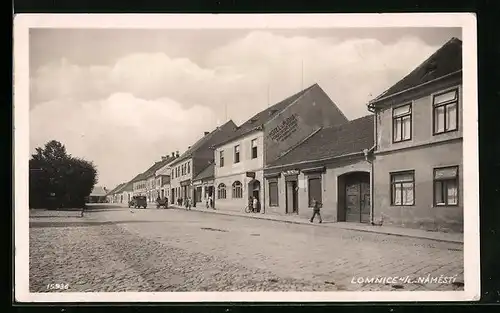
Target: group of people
253, 203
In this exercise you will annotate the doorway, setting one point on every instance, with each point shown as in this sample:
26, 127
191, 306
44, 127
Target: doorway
357, 197
291, 196
254, 191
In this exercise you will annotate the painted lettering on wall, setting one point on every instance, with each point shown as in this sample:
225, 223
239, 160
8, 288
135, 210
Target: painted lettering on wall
284, 129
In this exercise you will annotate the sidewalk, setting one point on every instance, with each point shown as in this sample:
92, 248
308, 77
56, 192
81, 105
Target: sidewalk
395, 231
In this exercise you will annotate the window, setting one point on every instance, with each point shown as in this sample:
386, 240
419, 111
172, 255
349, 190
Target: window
254, 148
314, 190
402, 188
237, 154
189, 167
221, 191
237, 190
273, 193
221, 158
446, 186
445, 112
401, 123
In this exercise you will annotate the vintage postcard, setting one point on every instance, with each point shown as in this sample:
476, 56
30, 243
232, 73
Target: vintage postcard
263, 158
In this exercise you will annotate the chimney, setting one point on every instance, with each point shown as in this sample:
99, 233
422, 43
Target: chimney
189, 147
163, 158
173, 154
206, 133
176, 154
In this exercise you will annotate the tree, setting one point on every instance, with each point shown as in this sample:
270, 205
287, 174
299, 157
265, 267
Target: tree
59, 180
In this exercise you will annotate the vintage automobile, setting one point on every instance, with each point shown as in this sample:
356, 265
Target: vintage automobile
162, 203
138, 202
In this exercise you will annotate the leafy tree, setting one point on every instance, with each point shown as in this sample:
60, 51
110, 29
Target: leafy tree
59, 180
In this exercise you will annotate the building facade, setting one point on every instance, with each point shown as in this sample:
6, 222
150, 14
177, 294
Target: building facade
195, 160
240, 161
418, 165
238, 171
333, 166
203, 187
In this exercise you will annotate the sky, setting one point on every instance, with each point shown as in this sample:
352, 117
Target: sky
123, 98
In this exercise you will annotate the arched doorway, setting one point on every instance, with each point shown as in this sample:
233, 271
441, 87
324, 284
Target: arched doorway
354, 197
254, 191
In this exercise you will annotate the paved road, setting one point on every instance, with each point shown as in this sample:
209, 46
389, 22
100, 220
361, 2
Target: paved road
176, 250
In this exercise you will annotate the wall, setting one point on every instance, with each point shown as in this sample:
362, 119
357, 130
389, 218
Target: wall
139, 188
291, 126
237, 204
175, 181
422, 119
329, 186
423, 160
246, 162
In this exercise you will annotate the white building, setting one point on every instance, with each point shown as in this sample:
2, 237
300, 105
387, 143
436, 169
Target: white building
194, 160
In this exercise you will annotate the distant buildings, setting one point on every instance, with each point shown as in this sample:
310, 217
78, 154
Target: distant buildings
98, 195
195, 160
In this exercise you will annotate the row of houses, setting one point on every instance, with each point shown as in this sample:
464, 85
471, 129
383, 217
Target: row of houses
399, 165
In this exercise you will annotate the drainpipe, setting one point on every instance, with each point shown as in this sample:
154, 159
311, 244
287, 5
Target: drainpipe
372, 180
263, 204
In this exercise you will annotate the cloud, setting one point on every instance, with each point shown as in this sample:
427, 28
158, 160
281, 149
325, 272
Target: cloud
122, 134
126, 114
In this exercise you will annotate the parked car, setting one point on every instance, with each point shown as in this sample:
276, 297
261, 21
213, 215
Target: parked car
138, 202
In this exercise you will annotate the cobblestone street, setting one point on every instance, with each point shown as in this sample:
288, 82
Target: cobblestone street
175, 250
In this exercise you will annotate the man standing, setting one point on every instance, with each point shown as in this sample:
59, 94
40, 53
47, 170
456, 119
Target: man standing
316, 210
255, 204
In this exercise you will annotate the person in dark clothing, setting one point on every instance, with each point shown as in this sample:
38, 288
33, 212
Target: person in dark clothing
316, 211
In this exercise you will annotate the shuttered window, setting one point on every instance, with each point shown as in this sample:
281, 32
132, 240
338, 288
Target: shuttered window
314, 190
273, 193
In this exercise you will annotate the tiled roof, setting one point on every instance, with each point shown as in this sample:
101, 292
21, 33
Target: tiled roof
98, 191
128, 187
116, 189
336, 141
206, 173
446, 60
264, 116
213, 138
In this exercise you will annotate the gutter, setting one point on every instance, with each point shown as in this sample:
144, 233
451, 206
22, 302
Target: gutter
372, 103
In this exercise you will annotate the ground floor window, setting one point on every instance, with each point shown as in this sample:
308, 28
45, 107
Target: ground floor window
314, 190
403, 188
221, 191
446, 186
237, 190
273, 193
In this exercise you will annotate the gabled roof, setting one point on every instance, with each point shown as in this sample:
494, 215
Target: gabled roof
127, 187
340, 140
156, 166
265, 116
207, 173
115, 190
446, 60
213, 138
98, 191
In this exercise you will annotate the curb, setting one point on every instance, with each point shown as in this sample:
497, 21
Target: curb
323, 225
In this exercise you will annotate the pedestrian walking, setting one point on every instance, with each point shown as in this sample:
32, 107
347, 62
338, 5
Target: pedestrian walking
316, 210
190, 203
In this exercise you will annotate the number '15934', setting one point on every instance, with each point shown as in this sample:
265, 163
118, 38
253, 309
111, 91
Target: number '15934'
57, 286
